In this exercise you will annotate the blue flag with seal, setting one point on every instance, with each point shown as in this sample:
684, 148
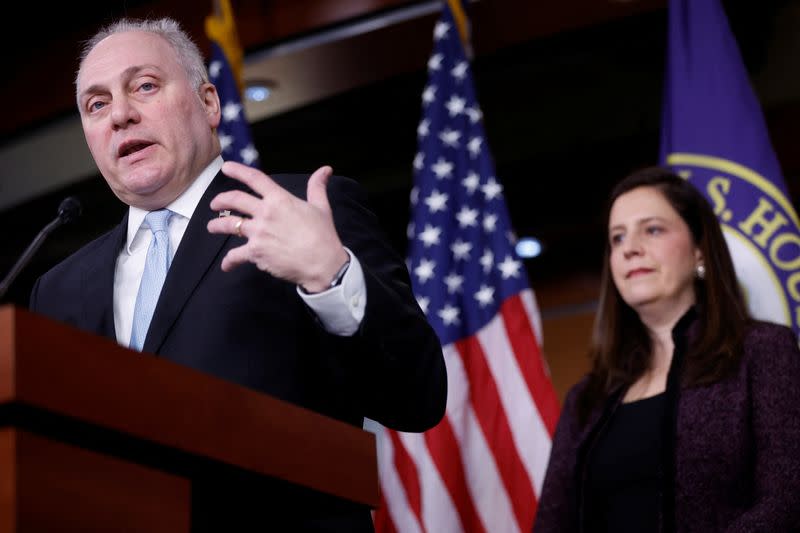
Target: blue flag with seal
224, 71
714, 134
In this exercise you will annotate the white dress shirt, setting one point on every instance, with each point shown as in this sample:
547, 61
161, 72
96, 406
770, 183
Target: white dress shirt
340, 309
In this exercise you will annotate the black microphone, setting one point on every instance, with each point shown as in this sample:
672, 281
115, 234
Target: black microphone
68, 210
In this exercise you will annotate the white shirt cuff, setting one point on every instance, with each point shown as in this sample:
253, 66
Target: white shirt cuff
341, 308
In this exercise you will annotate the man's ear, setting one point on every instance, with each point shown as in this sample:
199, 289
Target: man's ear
210, 100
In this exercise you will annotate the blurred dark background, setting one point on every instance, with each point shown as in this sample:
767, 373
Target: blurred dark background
571, 95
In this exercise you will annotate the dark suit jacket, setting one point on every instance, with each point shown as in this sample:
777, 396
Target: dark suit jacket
735, 462
253, 329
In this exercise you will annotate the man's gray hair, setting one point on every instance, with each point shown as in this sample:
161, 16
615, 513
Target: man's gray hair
170, 30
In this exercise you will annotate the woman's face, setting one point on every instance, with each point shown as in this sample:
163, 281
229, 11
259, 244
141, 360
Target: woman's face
653, 256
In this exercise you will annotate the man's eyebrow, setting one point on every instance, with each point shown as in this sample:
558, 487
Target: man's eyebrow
128, 73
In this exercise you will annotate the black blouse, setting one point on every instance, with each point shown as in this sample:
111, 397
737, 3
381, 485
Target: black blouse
623, 483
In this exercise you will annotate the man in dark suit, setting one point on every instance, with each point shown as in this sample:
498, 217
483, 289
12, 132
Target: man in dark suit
294, 293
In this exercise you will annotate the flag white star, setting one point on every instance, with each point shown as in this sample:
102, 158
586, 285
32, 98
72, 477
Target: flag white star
225, 141
453, 282
419, 160
429, 94
487, 260
509, 268
450, 137
455, 105
214, 68
424, 302
474, 146
440, 30
424, 270
414, 195
424, 128
485, 295
467, 217
430, 235
449, 315
248, 154
435, 62
230, 111
471, 182
461, 249
474, 114
489, 222
442, 168
437, 201
492, 189
459, 71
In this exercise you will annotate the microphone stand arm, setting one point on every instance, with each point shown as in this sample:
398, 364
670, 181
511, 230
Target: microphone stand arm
26, 256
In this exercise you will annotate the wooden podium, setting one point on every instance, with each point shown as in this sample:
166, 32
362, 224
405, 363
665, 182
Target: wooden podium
95, 437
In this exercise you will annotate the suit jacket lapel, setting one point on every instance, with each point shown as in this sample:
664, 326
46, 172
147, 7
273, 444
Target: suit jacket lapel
98, 283
195, 255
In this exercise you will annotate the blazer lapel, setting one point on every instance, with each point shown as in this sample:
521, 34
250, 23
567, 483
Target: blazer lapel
194, 257
98, 283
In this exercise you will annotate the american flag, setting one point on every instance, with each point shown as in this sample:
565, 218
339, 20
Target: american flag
482, 468
234, 130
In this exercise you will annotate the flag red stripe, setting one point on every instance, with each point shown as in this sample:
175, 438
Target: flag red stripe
381, 518
494, 423
445, 452
529, 358
407, 470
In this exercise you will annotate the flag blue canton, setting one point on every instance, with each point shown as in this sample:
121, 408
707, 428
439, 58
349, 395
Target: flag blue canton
234, 131
461, 247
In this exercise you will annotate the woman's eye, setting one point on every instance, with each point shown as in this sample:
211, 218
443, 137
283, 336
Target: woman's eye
655, 230
616, 239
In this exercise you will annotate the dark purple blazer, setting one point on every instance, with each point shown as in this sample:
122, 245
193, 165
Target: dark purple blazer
736, 450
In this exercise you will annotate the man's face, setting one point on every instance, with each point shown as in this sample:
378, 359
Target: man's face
150, 131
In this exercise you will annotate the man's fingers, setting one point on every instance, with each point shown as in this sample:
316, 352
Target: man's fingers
235, 257
290, 218
317, 191
232, 225
253, 178
236, 201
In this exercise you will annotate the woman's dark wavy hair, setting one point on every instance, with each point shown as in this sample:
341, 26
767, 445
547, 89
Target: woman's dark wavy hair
621, 348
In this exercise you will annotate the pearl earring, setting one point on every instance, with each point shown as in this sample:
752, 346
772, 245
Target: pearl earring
700, 271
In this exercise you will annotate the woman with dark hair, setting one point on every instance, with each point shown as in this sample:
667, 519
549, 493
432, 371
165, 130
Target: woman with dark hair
690, 417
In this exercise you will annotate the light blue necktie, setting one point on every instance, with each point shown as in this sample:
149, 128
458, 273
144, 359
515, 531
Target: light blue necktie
155, 271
